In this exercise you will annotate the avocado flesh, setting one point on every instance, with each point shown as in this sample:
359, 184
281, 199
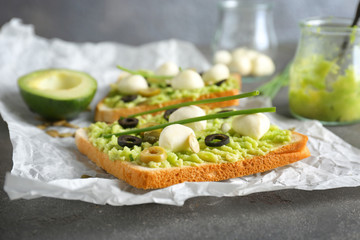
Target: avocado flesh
57, 93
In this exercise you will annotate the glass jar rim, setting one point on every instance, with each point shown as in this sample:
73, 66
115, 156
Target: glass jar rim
247, 4
329, 25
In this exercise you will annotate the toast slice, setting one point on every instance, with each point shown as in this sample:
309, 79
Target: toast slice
150, 178
104, 113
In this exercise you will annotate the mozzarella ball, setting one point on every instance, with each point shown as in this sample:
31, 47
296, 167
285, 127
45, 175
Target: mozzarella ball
252, 125
123, 75
244, 52
242, 65
132, 84
238, 52
263, 65
252, 54
225, 127
177, 138
167, 69
188, 79
189, 112
216, 73
223, 57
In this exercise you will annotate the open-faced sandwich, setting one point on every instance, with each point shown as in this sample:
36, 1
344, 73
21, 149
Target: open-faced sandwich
189, 144
138, 91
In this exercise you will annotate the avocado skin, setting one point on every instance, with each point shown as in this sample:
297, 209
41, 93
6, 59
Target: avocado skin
51, 109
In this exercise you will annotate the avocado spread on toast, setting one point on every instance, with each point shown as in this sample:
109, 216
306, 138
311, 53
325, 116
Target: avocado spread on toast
239, 147
167, 93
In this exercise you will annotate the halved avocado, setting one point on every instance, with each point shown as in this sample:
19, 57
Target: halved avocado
57, 93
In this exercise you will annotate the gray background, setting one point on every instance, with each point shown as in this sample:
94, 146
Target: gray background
286, 214
137, 22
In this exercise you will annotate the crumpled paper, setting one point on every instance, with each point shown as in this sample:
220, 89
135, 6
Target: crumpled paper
52, 167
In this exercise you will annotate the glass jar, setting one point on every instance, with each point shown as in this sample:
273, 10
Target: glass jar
325, 74
246, 23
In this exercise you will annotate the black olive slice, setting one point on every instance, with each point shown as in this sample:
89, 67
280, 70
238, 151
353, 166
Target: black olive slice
129, 141
216, 140
220, 82
225, 110
128, 122
129, 98
169, 112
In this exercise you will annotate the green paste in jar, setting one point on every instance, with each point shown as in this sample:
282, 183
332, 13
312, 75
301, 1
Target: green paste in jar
318, 90
239, 148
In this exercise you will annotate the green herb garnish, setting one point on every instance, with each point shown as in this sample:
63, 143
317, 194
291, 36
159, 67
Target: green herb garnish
272, 87
144, 74
203, 101
196, 119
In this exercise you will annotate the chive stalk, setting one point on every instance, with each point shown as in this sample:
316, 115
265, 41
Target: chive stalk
144, 74
203, 101
272, 87
196, 119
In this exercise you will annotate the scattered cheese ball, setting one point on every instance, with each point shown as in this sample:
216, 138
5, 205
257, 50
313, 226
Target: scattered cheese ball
252, 54
189, 112
248, 62
216, 73
244, 52
262, 66
178, 137
167, 69
187, 79
132, 84
238, 52
252, 125
223, 57
241, 65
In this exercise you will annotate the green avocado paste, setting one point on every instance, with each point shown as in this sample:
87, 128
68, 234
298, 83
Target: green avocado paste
167, 93
320, 90
239, 147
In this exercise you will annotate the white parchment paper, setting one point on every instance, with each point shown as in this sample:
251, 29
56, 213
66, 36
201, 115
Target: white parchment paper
52, 167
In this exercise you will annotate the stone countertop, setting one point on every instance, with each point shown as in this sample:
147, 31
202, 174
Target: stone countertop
286, 214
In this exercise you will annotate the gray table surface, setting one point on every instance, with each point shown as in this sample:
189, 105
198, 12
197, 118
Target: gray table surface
286, 214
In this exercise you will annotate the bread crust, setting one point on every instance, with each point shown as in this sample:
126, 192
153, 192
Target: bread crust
148, 178
109, 115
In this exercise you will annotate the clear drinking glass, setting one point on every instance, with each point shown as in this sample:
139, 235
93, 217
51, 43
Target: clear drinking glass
246, 23
325, 74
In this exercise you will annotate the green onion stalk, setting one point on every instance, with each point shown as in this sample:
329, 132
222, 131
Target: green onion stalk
203, 101
144, 73
272, 87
